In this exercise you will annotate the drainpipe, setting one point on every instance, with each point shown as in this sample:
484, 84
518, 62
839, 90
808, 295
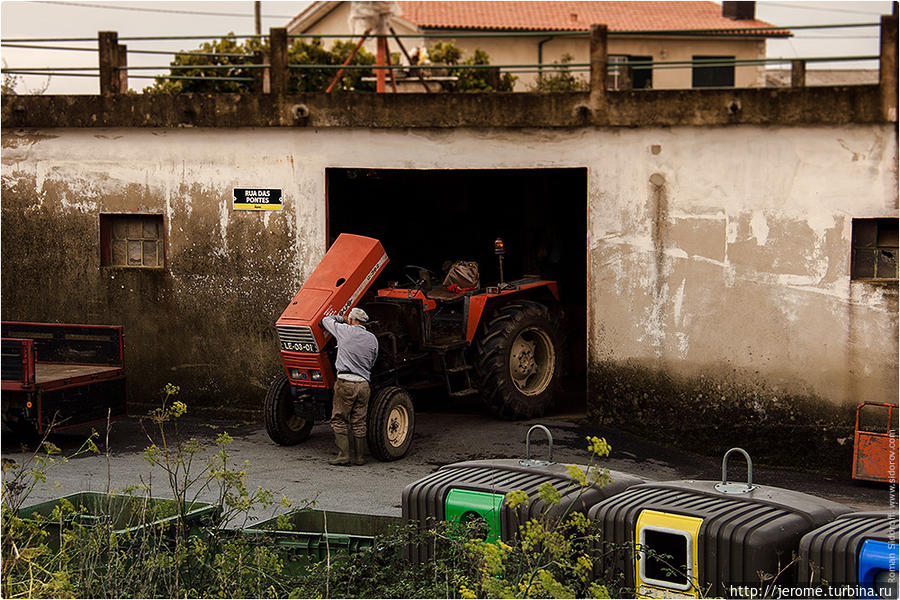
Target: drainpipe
541, 56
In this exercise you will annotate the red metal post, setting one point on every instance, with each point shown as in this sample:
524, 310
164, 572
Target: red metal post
380, 61
347, 62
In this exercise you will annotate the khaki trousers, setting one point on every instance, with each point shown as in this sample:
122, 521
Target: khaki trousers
348, 412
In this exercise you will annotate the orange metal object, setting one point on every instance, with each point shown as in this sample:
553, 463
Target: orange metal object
427, 303
381, 59
875, 452
477, 303
348, 269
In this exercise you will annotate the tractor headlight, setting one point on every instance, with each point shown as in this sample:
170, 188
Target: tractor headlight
315, 375
298, 374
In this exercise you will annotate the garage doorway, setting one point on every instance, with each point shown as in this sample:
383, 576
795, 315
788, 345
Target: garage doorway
426, 217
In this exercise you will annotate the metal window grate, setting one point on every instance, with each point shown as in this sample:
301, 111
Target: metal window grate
132, 241
874, 249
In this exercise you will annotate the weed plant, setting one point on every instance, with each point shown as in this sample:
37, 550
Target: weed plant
130, 545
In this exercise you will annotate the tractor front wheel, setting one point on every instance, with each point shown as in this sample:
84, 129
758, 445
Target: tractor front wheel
391, 423
519, 360
284, 426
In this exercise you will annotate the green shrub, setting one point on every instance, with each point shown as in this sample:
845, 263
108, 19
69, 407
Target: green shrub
470, 80
301, 52
549, 558
560, 79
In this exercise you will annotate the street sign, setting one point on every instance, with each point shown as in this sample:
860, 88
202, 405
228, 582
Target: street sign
257, 199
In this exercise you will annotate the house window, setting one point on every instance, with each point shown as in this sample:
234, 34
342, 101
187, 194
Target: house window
874, 249
713, 74
132, 241
615, 73
641, 76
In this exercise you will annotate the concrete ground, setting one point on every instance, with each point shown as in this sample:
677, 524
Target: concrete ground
442, 436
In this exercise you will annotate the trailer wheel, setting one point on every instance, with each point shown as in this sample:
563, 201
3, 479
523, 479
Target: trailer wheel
22, 429
519, 360
284, 426
391, 422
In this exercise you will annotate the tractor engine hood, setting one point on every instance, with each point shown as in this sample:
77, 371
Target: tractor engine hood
337, 284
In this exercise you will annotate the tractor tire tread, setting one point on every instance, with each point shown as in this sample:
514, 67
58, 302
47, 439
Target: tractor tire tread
379, 411
274, 409
499, 394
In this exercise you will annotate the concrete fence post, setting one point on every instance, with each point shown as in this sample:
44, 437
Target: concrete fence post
798, 73
599, 34
262, 82
122, 61
108, 46
626, 78
887, 68
278, 71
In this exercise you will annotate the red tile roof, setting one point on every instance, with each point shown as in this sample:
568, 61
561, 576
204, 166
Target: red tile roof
575, 16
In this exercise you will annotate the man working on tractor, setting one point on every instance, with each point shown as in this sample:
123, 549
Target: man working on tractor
357, 350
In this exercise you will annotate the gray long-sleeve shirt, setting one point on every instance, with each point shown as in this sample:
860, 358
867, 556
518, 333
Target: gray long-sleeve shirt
357, 348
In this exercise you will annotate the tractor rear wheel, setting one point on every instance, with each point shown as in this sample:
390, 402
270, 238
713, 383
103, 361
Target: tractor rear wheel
284, 426
391, 422
519, 360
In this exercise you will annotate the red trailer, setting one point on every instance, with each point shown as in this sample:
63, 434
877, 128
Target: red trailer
60, 374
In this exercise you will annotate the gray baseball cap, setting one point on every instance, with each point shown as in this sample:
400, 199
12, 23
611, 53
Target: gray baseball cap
358, 314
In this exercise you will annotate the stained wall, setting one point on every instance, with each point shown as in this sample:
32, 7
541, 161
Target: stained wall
719, 294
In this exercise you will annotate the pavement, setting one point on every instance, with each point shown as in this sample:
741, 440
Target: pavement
442, 435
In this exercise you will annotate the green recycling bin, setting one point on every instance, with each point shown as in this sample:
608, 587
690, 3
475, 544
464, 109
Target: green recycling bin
125, 515
466, 506
304, 536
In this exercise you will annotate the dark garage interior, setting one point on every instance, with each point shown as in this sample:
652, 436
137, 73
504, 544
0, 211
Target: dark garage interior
427, 217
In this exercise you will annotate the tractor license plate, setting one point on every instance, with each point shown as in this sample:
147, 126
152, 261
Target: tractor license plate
298, 346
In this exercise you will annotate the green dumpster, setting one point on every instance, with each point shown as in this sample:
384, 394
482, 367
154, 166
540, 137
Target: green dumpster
125, 515
307, 535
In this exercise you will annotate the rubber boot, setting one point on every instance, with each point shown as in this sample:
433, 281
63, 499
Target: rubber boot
342, 440
359, 449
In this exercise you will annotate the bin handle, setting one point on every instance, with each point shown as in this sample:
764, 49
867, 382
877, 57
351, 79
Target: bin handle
736, 488
528, 460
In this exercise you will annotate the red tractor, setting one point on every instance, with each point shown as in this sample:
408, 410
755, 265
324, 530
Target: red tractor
502, 342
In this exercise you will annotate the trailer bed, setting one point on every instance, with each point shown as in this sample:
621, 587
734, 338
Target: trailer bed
60, 375
50, 374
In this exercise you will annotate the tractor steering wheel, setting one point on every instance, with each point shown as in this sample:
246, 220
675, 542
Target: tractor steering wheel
420, 280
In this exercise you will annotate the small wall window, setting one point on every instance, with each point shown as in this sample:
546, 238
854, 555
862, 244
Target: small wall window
132, 241
874, 249
719, 73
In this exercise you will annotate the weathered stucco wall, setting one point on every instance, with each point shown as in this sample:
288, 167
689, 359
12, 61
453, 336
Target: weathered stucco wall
720, 281
719, 291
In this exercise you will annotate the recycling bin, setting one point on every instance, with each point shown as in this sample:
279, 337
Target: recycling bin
857, 550
704, 538
125, 515
306, 535
475, 490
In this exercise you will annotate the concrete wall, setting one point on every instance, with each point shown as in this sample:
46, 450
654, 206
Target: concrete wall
719, 290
